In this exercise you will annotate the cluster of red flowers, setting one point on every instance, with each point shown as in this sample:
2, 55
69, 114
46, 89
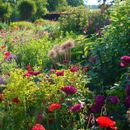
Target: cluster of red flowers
30, 72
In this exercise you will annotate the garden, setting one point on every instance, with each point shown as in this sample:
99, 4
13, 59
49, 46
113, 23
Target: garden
69, 72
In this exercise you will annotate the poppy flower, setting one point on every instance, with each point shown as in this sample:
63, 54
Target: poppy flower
60, 73
54, 106
106, 122
16, 100
38, 127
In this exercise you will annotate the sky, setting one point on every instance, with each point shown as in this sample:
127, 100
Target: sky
92, 2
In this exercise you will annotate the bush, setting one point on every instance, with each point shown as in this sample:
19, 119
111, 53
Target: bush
27, 9
21, 24
74, 20
3, 26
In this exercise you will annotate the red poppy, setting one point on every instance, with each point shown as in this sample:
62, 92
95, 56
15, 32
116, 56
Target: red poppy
106, 122
38, 127
16, 100
54, 106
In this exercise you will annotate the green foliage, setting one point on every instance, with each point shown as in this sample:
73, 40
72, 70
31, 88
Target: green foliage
21, 24
111, 46
41, 8
3, 26
5, 11
75, 2
27, 9
35, 94
56, 5
74, 20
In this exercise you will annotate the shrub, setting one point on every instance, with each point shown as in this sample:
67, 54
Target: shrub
27, 9
74, 20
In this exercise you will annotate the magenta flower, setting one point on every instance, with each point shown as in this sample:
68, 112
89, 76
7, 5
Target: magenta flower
125, 61
96, 108
60, 73
74, 69
75, 108
99, 99
99, 102
114, 99
69, 90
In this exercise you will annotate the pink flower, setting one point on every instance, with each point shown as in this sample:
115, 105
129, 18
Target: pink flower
3, 35
74, 69
69, 89
60, 73
75, 108
125, 61
38, 127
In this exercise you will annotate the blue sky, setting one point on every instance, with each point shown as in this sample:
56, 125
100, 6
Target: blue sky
92, 2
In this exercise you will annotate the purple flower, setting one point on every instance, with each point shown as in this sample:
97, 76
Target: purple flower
69, 89
125, 61
11, 56
75, 108
99, 102
127, 101
114, 99
2, 81
127, 90
96, 108
99, 99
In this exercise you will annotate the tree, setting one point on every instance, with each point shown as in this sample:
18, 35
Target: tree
27, 9
41, 8
75, 2
56, 5
5, 12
